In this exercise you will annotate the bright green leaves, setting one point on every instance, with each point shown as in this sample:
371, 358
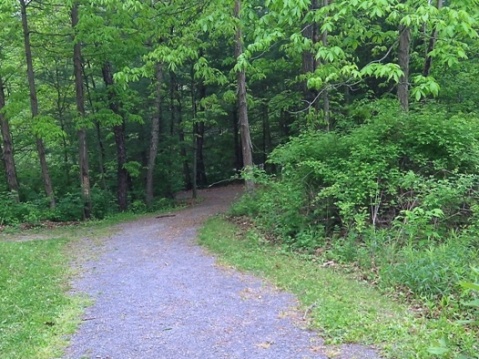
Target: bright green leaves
330, 54
46, 127
389, 71
424, 86
209, 74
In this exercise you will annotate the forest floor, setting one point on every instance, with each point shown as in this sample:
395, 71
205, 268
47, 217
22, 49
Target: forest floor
157, 294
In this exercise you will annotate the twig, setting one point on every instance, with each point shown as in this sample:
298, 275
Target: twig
308, 309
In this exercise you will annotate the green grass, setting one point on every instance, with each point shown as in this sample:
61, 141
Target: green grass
35, 311
342, 309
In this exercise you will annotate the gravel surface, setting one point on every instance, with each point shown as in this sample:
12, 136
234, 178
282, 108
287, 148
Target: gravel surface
158, 295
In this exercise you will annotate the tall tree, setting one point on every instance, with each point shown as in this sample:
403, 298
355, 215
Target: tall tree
80, 103
431, 43
119, 132
404, 58
155, 135
8, 157
246, 144
34, 103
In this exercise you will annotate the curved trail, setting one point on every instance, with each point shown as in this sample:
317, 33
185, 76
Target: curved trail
158, 295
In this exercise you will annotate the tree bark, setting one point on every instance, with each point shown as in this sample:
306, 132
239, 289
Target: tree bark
237, 142
101, 147
34, 104
8, 154
246, 144
155, 135
194, 107
431, 45
176, 109
119, 132
325, 95
267, 144
200, 140
81, 133
403, 56
309, 62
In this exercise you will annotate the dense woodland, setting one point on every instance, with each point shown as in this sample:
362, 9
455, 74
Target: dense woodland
354, 123
108, 105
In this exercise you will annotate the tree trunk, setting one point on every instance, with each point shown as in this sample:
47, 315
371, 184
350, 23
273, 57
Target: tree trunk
60, 104
8, 155
246, 145
200, 140
80, 102
403, 86
155, 135
267, 145
237, 144
119, 132
430, 48
34, 104
195, 161
194, 107
325, 95
101, 147
176, 109
310, 64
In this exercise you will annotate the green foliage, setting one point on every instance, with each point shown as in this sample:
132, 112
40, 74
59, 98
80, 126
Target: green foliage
417, 170
395, 197
14, 213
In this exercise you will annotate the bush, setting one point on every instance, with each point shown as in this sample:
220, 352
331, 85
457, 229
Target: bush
418, 167
68, 208
14, 213
103, 203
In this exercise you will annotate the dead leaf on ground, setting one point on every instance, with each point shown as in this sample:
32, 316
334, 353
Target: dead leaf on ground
265, 345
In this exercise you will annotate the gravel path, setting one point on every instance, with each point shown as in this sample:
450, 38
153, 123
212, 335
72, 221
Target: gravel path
158, 295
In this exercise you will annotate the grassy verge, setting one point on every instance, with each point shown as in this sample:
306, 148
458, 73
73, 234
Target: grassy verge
35, 311
37, 314
341, 308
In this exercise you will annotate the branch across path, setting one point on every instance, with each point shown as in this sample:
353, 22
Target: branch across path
157, 294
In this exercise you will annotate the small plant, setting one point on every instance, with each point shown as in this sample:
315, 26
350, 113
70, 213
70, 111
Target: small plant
472, 289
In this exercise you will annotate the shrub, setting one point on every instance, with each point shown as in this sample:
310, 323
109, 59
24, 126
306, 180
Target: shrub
418, 167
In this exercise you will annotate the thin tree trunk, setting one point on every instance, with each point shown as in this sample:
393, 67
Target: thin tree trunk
246, 144
200, 140
101, 147
431, 45
310, 64
176, 109
155, 134
325, 95
34, 104
8, 155
195, 136
201, 178
237, 144
119, 132
266, 134
403, 86
60, 103
80, 102
195, 160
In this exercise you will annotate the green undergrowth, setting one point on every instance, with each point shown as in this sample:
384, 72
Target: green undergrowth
36, 314
343, 309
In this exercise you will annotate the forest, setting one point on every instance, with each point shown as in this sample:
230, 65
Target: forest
353, 123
